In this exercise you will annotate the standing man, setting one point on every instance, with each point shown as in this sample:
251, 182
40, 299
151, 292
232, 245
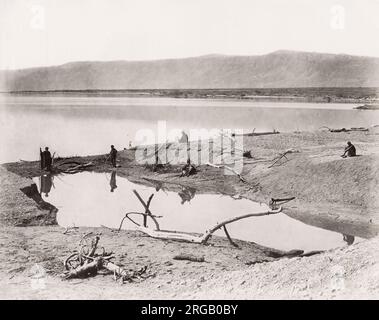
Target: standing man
46, 159
113, 155
185, 141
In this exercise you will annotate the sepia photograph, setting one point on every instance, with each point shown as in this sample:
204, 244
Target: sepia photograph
187, 150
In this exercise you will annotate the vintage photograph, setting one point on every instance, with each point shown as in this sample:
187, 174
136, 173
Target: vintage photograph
189, 150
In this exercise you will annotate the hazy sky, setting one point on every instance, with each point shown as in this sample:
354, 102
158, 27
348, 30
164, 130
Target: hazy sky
49, 32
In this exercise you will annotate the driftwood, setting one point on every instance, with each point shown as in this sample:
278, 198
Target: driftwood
145, 215
254, 134
229, 238
186, 236
145, 205
227, 168
289, 254
86, 262
345, 129
189, 257
311, 253
200, 239
69, 229
283, 155
74, 167
275, 203
153, 217
78, 168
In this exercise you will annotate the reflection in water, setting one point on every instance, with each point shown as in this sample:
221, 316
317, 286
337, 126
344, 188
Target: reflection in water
187, 194
46, 182
112, 182
84, 199
348, 239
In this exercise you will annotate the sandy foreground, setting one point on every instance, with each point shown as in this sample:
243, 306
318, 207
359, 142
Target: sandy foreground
331, 192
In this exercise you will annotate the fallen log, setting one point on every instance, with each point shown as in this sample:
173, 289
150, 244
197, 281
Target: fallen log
85, 270
153, 217
78, 168
200, 239
345, 129
289, 254
311, 253
86, 262
124, 275
283, 155
209, 233
189, 257
229, 238
69, 229
254, 134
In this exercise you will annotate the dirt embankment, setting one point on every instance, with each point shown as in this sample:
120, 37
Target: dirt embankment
31, 260
21, 204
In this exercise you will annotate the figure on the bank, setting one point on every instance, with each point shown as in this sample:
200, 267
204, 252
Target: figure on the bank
349, 150
188, 169
46, 182
184, 140
113, 156
348, 239
46, 159
112, 182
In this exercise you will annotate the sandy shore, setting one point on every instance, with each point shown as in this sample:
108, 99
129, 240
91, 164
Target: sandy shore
331, 192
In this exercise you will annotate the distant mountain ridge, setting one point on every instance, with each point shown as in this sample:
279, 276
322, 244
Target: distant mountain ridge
279, 69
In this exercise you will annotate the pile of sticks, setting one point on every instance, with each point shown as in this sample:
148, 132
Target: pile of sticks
345, 129
71, 167
86, 262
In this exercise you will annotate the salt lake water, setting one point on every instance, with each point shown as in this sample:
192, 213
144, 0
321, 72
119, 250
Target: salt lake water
89, 125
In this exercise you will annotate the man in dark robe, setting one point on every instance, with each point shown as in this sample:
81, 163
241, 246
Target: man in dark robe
349, 150
46, 159
113, 155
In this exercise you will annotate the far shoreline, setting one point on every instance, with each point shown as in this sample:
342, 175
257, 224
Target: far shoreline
366, 95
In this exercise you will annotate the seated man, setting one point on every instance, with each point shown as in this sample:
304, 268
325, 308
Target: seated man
349, 150
188, 169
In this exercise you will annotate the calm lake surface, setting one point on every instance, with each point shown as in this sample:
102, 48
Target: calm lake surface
96, 199
89, 125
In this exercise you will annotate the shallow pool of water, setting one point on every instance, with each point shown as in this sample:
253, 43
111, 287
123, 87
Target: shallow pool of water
96, 199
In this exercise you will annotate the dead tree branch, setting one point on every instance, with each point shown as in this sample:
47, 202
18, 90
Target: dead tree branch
201, 239
229, 238
189, 257
83, 263
227, 168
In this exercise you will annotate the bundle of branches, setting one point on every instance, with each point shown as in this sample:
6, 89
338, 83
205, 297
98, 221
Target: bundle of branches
71, 167
345, 129
86, 261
